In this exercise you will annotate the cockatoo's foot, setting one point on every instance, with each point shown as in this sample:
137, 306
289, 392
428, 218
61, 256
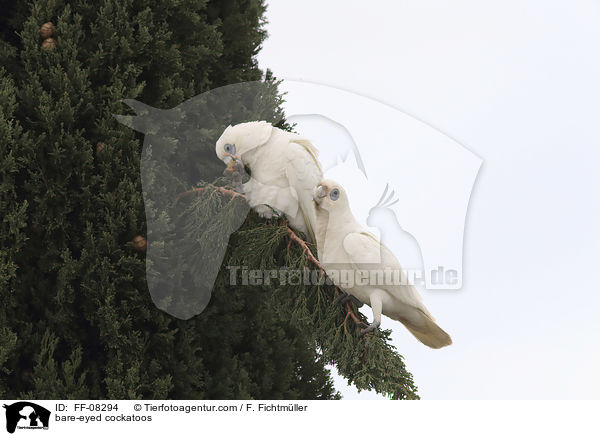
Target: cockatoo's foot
344, 297
373, 326
267, 212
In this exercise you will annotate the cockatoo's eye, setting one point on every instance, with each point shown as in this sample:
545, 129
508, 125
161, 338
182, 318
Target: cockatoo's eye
229, 148
334, 194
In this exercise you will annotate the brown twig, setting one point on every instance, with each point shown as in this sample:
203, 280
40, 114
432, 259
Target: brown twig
352, 314
294, 237
228, 192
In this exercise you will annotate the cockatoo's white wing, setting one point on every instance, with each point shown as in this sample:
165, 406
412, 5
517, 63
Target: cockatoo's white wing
363, 250
303, 172
367, 253
281, 198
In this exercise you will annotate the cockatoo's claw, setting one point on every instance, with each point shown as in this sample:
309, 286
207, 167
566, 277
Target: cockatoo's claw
373, 326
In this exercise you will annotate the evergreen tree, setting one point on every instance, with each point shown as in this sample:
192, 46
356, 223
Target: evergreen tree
76, 317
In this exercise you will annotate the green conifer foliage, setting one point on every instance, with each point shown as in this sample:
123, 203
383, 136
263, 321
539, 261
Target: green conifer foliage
14, 213
76, 317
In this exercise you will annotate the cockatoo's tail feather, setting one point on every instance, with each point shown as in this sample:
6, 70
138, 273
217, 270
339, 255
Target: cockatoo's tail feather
427, 331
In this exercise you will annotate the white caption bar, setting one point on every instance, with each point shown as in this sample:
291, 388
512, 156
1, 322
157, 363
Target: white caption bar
300, 417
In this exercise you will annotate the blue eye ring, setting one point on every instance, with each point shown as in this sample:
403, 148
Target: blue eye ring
229, 148
334, 194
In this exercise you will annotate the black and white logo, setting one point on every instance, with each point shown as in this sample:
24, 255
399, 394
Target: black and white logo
26, 415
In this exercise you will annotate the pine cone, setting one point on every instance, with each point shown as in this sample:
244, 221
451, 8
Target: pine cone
49, 44
139, 242
47, 30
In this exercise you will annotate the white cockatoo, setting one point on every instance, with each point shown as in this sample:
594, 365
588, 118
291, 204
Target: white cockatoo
346, 249
284, 169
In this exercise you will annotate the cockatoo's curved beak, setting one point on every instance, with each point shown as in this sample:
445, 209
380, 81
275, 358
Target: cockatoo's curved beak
320, 193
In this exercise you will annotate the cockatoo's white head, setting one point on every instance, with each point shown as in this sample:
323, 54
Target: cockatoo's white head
241, 138
330, 196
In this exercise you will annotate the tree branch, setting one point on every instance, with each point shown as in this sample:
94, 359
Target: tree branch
304, 245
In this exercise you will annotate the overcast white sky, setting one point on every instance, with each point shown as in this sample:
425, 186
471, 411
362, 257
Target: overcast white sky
518, 84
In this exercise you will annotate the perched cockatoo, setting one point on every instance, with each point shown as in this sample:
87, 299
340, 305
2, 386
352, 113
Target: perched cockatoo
284, 169
344, 245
